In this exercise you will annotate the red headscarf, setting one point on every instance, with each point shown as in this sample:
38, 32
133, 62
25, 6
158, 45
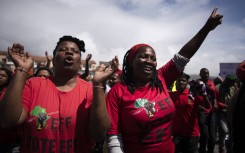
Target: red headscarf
134, 50
240, 71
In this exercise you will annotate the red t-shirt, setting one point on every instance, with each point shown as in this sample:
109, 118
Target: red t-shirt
57, 121
186, 114
145, 117
9, 135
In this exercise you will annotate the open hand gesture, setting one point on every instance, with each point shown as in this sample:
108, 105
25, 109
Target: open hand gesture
101, 76
214, 20
19, 57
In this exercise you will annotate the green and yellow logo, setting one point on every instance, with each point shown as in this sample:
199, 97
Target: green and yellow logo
146, 105
41, 117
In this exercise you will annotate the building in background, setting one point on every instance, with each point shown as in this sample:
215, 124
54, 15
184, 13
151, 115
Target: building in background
6, 62
227, 68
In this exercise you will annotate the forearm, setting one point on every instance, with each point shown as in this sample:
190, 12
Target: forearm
11, 104
86, 73
190, 48
99, 119
48, 63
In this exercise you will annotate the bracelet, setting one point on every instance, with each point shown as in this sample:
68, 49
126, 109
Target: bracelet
21, 69
99, 87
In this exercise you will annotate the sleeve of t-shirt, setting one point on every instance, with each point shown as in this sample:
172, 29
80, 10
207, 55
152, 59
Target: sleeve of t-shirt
113, 107
26, 95
169, 73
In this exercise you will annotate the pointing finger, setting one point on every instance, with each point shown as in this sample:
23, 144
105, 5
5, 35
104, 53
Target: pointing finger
214, 12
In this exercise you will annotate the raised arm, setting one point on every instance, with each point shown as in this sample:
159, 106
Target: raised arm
86, 73
49, 59
189, 49
99, 120
11, 110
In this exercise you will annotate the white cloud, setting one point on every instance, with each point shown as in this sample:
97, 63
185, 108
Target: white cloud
111, 27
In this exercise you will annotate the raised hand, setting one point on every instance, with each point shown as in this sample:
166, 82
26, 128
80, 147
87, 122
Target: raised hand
214, 20
19, 57
89, 56
101, 76
49, 58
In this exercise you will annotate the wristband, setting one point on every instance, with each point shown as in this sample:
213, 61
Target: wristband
21, 69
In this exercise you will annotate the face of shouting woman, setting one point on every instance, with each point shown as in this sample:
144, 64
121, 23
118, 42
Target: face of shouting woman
67, 58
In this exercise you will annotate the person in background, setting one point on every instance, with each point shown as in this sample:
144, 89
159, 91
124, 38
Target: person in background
225, 92
207, 119
238, 112
115, 78
86, 73
57, 113
43, 72
9, 138
185, 126
43, 64
140, 108
217, 80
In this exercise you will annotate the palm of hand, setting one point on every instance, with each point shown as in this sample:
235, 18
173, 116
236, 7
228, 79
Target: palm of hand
214, 19
19, 58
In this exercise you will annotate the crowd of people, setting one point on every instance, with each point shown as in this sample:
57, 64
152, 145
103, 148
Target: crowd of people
130, 110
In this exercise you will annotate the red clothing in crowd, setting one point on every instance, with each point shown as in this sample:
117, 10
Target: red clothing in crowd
57, 121
10, 135
144, 118
186, 114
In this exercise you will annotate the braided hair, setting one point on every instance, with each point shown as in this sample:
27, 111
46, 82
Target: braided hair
127, 77
80, 43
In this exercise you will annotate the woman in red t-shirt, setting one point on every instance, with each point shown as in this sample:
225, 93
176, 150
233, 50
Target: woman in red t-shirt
140, 107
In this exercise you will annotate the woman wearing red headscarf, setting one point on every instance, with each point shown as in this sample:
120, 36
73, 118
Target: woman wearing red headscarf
140, 107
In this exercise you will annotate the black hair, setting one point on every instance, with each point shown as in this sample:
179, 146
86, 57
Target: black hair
10, 76
44, 68
184, 75
127, 77
203, 69
80, 43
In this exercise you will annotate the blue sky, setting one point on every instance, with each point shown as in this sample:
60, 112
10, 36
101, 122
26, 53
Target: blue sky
111, 27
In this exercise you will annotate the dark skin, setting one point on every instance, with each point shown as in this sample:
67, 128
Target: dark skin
3, 78
145, 55
204, 74
86, 73
143, 65
67, 62
181, 84
114, 79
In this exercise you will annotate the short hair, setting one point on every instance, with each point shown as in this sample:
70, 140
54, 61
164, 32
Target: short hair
203, 69
44, 68
80, 43
184, 75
